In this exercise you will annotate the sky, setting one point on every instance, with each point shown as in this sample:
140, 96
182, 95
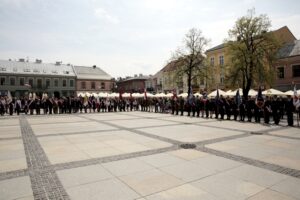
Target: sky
124, 37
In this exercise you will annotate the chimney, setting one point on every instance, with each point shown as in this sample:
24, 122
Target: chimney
58, 62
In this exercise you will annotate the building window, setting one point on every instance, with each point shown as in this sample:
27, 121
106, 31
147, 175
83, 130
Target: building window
2, 81
64, 83
47, 83
280, 72
71, 83
39, 83
221, 60
83, 85
296, 70
93, 85
30, 82
22, 81
12, 81
102, 85
212, 61
55, 82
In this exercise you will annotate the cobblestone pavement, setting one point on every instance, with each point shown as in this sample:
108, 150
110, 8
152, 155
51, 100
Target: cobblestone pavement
139, 155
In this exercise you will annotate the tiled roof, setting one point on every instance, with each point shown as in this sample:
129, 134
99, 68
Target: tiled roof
143, 77
289, 50
91, 73
221, 46
16, 67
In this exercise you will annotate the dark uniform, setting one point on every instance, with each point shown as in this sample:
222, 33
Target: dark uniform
275, 106
267, 110
290, 108
242, 109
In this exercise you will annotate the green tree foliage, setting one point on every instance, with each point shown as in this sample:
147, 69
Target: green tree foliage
251, 50
190, 57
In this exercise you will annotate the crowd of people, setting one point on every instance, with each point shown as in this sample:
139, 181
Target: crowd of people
224, 108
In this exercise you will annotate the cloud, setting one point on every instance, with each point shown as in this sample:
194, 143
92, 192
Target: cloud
102, 14
249, 2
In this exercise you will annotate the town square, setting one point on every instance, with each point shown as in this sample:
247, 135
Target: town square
141, 155
149, 100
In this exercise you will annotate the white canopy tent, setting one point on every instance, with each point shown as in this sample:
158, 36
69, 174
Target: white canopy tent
271, 91
290, 92
214, 93
184, 95
170, 95
102, 94
233, 93
228, 92
198, 94
161, 95
137, 95
252, 93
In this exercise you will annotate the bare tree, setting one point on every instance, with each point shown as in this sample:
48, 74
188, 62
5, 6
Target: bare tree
190, 57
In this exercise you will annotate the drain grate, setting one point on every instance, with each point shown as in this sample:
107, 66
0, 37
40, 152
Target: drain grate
188, 146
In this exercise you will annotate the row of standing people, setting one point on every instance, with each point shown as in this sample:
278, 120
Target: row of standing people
272, 107
229, 108
65, 105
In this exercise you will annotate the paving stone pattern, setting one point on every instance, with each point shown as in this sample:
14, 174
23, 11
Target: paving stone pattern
45, 183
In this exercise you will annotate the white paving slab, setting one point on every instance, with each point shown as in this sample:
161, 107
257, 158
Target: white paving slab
190, 133
186, 192
15, 188
103, 190
228, 187
83, 175
151, 181
128, 166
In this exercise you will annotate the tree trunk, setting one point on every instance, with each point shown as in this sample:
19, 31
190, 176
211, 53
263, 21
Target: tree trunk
189, 84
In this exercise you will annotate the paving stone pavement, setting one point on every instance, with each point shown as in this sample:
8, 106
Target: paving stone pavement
44, 181
139, 150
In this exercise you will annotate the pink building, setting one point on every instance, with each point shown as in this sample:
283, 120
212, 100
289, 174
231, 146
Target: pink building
92, 79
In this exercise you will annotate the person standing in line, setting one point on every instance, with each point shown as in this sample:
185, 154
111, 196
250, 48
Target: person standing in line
242, 109
37, 105
267, 110
181, 105
221, 106
275, 107
250, 108
197, 105
289, 108
18, 106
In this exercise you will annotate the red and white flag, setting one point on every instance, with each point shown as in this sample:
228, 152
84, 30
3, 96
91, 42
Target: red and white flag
145, 94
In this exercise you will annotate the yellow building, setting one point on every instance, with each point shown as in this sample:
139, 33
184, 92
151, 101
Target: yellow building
218, 58
168, 80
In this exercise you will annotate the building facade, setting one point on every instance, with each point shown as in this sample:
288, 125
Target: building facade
133, 84
92, 79
21, 77
218, 60
168, 79
288, 67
